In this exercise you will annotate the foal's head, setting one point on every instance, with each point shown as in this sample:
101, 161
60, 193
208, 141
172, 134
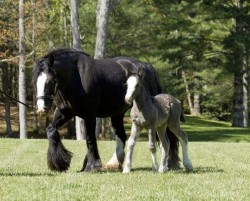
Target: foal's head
44, 81
134, 83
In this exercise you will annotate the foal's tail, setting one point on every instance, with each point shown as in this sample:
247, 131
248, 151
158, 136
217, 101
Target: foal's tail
173, 160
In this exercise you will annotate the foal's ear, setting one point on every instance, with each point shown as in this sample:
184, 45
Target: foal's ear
140, 72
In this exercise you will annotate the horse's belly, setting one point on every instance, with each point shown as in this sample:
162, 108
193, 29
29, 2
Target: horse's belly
107, 110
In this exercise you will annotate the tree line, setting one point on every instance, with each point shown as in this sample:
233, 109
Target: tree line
200, 48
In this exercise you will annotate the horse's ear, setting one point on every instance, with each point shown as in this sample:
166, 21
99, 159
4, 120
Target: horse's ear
50, 60
126, 66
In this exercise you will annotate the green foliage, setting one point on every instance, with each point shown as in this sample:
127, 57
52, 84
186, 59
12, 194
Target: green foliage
197, 36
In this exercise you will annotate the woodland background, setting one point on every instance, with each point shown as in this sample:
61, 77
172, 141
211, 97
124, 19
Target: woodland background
200, 49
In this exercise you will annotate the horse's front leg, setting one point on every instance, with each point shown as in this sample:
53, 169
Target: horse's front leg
117, 159
92, 160
58, 157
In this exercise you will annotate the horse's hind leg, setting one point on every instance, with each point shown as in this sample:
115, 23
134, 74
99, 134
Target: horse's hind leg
165, 145
118, 157
58, 157
176, 129
135, 131
92, 161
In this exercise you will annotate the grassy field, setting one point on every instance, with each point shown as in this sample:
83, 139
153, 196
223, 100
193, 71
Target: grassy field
220, 156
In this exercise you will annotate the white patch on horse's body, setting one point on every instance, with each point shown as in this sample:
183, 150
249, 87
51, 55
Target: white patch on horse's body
117, 156
40, 86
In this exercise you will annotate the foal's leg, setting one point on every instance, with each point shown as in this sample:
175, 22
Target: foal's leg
152, 147
118, 157
176, 129
165, 145
135, 131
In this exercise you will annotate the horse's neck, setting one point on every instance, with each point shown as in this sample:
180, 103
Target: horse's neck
143, 99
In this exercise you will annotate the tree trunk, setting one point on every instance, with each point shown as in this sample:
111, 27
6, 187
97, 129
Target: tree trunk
80, 125
189, 97
74, 24
6, 88
196, 109
21, 80
64, 26
240, 96
102, 18
35, 129
48, 31
245, 91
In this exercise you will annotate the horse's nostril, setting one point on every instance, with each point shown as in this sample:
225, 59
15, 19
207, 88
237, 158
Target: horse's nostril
40, 111
128, 99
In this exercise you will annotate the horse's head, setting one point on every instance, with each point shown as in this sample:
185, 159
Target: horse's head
45, 84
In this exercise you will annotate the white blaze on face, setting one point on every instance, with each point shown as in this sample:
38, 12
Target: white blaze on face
40, 85
131, 86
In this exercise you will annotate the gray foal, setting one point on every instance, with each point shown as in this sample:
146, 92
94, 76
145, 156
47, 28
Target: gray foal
154, 113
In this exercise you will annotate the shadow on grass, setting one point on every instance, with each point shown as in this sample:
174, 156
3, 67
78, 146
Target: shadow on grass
196, 170
3, 173
201, 170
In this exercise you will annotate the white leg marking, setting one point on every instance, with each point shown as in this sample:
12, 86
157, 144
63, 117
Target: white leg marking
152, 147
164, 160
40, 85
154, 161
130, 147
186, 162
118, 156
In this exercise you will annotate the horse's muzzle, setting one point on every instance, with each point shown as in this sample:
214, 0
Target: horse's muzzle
128, 100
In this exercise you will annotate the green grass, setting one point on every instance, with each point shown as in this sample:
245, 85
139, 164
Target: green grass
221, 170
202, 129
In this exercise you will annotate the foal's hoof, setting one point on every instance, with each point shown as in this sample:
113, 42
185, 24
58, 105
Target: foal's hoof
126, 170
189, 167
162, 169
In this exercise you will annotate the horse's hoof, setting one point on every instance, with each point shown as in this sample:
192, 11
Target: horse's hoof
112, 167
93, 167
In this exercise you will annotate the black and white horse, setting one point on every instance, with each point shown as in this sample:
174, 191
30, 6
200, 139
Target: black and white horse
89, 88
154, 113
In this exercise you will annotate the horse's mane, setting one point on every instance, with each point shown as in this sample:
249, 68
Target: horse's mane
156, 76
61, 51
48, 59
